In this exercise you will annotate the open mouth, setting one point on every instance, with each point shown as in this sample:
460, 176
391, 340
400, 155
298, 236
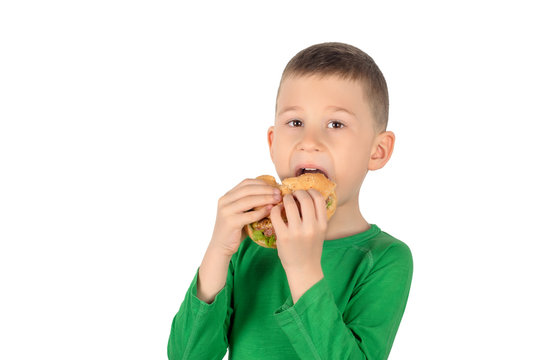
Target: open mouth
301, 171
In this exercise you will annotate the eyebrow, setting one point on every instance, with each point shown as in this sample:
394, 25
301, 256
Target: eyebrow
332, 107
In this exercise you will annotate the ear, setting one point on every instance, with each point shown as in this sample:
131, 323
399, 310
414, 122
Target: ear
382, 149
270, 137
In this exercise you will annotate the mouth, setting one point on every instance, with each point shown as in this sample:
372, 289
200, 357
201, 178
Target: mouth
313, 169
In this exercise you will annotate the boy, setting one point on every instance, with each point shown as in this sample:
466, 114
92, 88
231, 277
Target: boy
331, 290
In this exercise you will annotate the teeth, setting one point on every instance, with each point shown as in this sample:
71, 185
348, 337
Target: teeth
309, 170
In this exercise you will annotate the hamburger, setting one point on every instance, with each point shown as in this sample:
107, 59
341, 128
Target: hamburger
262, 232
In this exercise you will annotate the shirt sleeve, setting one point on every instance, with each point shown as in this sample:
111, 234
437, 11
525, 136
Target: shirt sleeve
200, 330
367, 328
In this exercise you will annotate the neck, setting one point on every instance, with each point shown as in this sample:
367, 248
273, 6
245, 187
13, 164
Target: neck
346, 221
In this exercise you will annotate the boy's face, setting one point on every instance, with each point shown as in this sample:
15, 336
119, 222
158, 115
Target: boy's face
311, 130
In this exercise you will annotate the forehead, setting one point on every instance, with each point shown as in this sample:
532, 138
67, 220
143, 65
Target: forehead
321, 93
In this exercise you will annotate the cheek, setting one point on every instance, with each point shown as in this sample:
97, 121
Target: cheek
347, 153
281, 143
350, 164
280, 150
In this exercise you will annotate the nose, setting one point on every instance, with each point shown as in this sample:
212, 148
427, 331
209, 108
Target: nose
311, 140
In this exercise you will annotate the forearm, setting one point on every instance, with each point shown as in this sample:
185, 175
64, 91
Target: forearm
212, 275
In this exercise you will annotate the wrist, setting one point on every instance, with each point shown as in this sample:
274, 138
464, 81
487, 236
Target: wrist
212, 275
218, 249
307, 269
218, 253
302, 279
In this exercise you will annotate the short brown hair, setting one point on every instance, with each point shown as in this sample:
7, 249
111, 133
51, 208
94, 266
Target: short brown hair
347, 62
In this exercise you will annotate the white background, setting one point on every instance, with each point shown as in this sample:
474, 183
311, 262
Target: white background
123, 122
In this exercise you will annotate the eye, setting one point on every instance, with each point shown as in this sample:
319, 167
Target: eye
338, 124
297, 121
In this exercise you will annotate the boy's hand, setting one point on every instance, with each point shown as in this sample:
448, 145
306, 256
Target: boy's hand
300, 242
233, 213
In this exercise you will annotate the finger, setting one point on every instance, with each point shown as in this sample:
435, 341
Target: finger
247, 190
307, 206
320, 205
291, 210
248, 182
277, 221
253, 189
251, 202
255, 215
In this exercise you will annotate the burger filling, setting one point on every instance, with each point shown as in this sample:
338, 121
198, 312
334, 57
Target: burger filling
263, 231
329, 202
265, 226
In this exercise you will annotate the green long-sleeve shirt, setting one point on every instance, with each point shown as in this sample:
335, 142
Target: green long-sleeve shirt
352, 313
